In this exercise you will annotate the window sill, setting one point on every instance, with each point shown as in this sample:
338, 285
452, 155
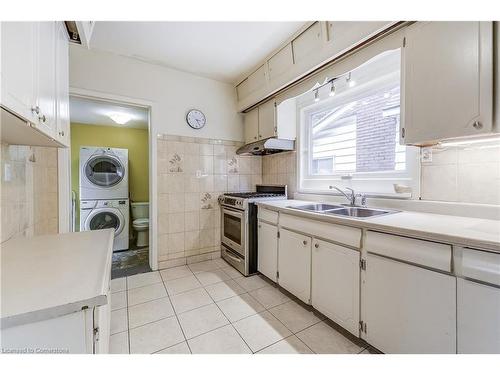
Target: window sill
366, 194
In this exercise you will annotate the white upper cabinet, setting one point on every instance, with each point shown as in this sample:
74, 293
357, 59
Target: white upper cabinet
267, 120
335, 283
294, 264
18, 68
35, 82
253, 83
251, 126
46, 84
447, 81
62, 85
307, 42
280, 62
316, 43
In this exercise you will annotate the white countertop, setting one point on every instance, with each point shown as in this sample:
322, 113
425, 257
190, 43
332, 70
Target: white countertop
48, 276
458, 230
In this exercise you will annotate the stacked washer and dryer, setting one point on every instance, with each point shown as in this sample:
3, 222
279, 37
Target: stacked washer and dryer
104, 193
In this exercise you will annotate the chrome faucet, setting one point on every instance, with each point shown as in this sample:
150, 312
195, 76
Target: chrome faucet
352, 196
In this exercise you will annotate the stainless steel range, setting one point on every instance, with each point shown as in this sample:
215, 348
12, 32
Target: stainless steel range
239, 225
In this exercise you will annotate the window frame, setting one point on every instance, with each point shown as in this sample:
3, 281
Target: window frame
371, 183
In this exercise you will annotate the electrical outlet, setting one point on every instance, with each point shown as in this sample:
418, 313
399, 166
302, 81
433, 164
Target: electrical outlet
426, 154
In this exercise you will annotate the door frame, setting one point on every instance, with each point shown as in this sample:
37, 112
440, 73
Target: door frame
64, 168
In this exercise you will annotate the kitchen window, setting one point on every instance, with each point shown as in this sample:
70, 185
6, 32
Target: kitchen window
349, 132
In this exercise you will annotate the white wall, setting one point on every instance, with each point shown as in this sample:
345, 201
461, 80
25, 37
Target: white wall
173, 92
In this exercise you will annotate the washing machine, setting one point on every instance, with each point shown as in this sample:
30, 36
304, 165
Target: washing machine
103, 173
101, 214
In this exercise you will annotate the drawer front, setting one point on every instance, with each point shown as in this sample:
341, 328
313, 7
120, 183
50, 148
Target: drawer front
425, 253
332, 232
481, 265
268, 215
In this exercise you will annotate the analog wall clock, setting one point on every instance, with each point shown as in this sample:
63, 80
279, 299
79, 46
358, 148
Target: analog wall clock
196, 119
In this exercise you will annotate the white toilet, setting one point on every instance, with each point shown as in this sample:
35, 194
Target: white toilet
140, 222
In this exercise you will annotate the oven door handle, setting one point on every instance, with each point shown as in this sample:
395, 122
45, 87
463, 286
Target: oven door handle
232, 257
232, 212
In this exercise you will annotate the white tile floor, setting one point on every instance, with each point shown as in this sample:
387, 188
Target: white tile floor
208, 307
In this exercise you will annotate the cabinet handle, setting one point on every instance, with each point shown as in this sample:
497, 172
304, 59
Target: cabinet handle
42, 118
304, 242
260, 135
477, 125
61, 133
316, 245
35, 109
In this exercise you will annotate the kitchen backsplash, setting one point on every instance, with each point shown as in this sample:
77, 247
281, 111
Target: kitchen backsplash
462, 174
455, 174
29, 203
280, 169
192, 173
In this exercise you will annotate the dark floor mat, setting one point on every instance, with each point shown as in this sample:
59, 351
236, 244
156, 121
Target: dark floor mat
130, 262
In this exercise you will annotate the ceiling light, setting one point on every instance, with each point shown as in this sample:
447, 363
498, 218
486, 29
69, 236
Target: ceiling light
350, 82
120, 118
332, 90
469, 141
316, 95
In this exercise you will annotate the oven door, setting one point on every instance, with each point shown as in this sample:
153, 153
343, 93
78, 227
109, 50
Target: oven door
233, 229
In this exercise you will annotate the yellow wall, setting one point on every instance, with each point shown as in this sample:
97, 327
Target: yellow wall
135, 140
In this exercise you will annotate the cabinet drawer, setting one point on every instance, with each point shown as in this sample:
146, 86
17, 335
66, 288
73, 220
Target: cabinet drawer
333, 232
268, 215
426, 253
481, 265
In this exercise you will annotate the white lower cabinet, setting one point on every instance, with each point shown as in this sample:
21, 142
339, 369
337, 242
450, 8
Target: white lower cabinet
408, 309
478, 315
294, 264
267, 263
335, 283
478, 302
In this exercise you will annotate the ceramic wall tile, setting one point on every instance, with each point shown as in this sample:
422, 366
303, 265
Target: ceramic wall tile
29, 200
462, 174
192, 173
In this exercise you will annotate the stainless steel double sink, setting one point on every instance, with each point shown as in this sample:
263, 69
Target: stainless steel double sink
343, 210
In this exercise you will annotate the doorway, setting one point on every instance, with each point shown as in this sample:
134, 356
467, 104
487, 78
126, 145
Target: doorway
110, 176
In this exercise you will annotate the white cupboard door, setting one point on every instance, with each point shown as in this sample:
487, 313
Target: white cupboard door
408, 309
335, 283
478, 318
46, 82
267, 120
17, 93
251, 124
447, 81
294, 264
267, 263
62, 81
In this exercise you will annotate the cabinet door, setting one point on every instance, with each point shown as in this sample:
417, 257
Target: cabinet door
478, 318
46, 77
408, 309
294, 264
18, 41
267, 120
335, 283
267, 263
62, 81
447, 81
251, 124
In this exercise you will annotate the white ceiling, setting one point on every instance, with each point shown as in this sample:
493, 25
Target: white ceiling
219, 50
92, 112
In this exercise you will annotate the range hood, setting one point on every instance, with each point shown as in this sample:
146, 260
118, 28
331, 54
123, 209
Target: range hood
266, 147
